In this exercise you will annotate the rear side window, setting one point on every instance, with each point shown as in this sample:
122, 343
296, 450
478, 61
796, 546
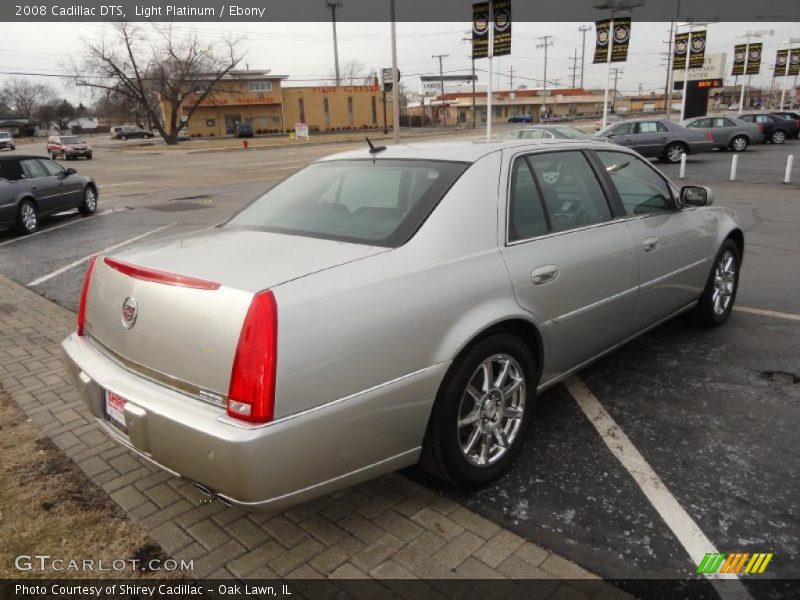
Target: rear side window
10, 170
527, 217
570, 190
376, 202
33, 169
640, 188
651, 127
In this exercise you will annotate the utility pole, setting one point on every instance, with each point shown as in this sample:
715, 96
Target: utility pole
441, 81
574, 67
617, 72
547, 41
511, 78
472, 56
583, 29
640, 89
395, 75
333, 5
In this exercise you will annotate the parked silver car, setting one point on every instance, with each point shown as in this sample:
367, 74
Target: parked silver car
659, 138
728, 132
385, 307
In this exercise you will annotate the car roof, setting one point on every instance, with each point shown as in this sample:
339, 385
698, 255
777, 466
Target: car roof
461, 151
19, 157
543, 126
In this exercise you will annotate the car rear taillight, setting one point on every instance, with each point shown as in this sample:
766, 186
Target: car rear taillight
251, 395
760, 127
84, 293
709, 137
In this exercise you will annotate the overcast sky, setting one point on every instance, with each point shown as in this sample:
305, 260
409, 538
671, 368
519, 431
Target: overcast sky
304, 51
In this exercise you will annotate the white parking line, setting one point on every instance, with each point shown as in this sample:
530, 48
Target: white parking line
767, 313
41, 231
80, 261
108, 185
677, 519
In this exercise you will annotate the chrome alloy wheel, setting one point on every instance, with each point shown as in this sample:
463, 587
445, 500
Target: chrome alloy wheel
90, 199
724, 281
28, 216
739, 144
778, 137
675, 152
491, 410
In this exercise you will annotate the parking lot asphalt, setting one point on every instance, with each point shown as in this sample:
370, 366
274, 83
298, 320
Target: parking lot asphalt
713, 412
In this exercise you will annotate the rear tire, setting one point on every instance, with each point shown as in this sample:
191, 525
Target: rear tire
739, 143
674, 152
89, 204
719, 296
27, 218
778, 137
478, 424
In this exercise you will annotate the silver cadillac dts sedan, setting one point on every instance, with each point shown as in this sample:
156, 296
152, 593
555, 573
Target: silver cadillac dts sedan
391, 306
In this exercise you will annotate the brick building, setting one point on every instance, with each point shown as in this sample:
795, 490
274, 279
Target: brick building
263, 99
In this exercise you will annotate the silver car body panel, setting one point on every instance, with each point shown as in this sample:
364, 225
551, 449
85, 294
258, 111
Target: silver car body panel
367, 334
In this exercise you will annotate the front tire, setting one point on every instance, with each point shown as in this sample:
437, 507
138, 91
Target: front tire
739, 143
718, 298
27, 218
89, 204
674, 152
778, 137
482, 412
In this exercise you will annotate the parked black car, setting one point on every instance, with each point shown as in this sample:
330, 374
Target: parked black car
125, 133
776, 130
33, 187
788, 114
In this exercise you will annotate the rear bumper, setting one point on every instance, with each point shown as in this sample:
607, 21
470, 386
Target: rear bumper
266, 467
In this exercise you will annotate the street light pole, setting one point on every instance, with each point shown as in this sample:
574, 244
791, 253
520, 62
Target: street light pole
333, 5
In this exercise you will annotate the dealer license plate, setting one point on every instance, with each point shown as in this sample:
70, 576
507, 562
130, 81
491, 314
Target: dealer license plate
115, 411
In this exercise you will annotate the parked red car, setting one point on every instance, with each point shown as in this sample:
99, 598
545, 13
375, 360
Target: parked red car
68, 146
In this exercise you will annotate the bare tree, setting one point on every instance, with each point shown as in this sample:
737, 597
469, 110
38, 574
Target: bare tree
24, 96
155, 70
353, 72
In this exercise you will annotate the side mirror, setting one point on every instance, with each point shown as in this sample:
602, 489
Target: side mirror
696, 195
71, 171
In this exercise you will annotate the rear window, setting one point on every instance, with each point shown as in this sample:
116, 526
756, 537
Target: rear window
375, 202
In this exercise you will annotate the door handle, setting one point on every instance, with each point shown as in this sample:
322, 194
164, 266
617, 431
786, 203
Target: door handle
544, 274
650, 244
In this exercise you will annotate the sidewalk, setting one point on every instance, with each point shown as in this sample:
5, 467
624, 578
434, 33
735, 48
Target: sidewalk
389, 528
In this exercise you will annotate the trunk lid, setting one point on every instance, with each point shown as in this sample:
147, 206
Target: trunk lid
185, 337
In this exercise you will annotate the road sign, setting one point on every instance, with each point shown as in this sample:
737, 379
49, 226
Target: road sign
386, 77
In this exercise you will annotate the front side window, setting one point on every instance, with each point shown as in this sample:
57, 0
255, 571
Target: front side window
702, 124
622, 129
640, 188
52, 168
570, 190
381, 202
